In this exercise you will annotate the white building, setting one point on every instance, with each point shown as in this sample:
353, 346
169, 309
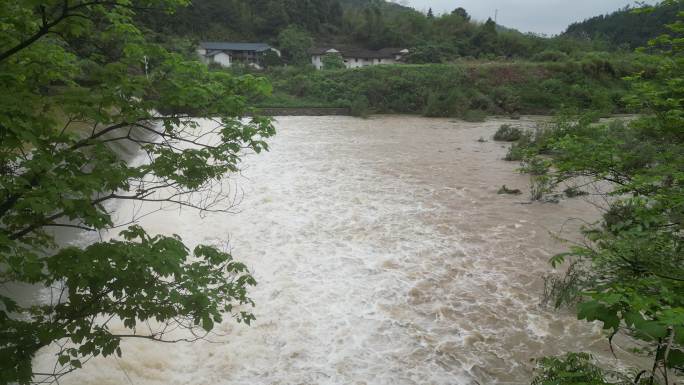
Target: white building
355, 57
226, 54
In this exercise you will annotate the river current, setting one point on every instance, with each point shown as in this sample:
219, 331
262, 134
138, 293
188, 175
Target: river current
383, 255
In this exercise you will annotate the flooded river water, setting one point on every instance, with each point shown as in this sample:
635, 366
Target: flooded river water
384, 255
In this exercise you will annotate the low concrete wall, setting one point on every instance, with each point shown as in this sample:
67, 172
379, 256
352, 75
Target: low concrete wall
283, 111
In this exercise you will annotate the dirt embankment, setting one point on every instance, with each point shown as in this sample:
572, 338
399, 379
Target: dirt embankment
295, 111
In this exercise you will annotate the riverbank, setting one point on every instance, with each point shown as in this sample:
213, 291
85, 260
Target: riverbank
305, 111
467, 89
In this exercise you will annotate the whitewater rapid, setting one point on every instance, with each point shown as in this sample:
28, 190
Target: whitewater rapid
383, 255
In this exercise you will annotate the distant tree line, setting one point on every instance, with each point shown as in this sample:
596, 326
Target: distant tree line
374, 24
627, 26
246, 19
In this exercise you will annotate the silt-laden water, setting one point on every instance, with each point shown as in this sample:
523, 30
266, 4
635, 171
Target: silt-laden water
384, 255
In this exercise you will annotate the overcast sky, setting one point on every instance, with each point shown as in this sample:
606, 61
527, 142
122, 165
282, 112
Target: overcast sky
541, 16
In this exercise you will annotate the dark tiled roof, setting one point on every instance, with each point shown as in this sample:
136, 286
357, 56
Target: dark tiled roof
226, 46
213, 53
391, 51
320, 50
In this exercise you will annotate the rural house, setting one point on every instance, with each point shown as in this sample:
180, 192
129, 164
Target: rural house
356, 57
226, 54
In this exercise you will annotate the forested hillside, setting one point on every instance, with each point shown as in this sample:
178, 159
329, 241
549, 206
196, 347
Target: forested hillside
376, 24
626, 27
569, 72
264, 19
247, 19
365, 23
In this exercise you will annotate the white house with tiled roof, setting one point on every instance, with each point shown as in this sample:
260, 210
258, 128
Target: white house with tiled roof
226, 53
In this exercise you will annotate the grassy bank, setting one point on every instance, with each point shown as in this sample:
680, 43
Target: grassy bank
465, 90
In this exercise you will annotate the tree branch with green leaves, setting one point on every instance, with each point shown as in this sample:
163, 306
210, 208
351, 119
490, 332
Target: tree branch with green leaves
79, 79
634, 264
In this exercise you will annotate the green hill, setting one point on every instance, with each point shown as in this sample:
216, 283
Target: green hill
264, 19
371, 24
626, 27
385, 6
246, 20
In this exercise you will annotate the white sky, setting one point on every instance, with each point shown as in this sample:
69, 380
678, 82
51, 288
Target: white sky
541, 16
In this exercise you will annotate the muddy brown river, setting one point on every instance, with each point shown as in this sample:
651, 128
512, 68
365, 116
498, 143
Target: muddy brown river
384, 255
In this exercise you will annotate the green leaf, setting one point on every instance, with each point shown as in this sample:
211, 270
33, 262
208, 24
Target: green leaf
651, 330
675, 358
63, 359
595, 311
207, 323
558, 259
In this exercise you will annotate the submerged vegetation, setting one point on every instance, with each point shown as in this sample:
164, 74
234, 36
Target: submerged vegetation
508, 191
508, 133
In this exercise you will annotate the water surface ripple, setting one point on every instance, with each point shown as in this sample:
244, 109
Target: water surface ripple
384, 256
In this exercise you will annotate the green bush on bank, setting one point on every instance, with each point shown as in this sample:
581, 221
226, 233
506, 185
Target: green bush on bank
359, 107
550, 55
474, 116
508, 133
458, 89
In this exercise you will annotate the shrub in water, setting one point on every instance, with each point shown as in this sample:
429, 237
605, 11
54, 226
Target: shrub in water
508, 133
515, 153
506, 190
519, 149
572, 192
540, 187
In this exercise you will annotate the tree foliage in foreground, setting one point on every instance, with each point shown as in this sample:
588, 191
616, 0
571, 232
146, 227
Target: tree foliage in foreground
575, 369
77, 78
633, 258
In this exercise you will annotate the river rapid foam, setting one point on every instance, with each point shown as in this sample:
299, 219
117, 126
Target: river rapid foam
384, 255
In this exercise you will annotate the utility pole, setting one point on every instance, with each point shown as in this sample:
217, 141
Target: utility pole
496, 16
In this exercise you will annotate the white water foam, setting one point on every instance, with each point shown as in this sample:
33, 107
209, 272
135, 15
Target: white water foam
383, 256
